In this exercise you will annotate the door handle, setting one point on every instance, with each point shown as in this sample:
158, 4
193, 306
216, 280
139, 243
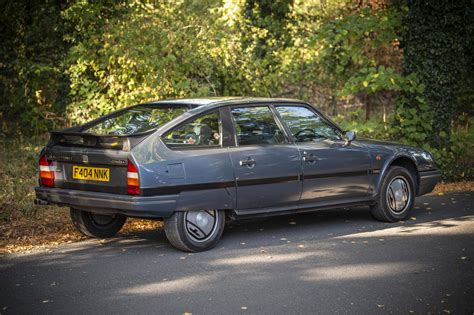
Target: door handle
310, 159
250, 163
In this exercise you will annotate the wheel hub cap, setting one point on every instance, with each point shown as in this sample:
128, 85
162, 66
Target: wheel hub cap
200, 225
398, 194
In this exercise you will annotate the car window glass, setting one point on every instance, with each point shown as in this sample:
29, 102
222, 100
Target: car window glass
305, 125
204, 131
137, 119
256, 125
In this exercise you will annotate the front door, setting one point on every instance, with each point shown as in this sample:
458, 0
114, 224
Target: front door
267, 166
332, 170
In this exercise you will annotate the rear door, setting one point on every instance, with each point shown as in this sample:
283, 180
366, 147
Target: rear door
266, 164
332, 170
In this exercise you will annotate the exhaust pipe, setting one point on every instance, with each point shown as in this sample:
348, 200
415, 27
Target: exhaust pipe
41, 202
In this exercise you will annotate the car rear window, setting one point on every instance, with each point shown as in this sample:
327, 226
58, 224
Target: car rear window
135, 120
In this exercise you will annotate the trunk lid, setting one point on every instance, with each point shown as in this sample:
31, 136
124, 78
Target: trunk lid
91, 162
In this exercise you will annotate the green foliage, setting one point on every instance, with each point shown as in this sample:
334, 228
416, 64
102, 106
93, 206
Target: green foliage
373, 128
33, 87
265, 26
435, 41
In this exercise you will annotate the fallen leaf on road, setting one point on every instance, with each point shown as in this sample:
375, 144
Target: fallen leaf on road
45, 301
463, 257
413, 218
243, 308
301, 246
380, 305
282, 239
292, 223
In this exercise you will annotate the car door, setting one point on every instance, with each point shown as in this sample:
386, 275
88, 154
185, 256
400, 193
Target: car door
332, 170
266, 164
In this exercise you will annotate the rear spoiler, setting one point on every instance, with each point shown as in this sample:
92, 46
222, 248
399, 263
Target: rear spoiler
111, 142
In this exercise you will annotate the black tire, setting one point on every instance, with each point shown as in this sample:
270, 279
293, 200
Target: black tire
184, 235
97, 225
387, 208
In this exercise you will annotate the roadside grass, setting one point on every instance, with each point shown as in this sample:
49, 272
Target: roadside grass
25, 226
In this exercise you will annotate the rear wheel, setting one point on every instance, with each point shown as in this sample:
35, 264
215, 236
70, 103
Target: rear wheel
396, 196
195, 231
97, 225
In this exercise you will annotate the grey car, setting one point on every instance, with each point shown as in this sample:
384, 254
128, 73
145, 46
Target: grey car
196, 163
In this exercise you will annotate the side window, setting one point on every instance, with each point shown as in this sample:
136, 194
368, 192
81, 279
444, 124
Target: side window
305, 125
256, 125
204, 131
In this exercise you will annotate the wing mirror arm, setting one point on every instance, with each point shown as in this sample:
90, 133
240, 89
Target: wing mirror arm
349, 136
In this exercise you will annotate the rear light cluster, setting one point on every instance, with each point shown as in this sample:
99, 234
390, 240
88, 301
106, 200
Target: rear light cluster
46, 172
133, 183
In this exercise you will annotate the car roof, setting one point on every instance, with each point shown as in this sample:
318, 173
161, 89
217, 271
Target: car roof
227, 100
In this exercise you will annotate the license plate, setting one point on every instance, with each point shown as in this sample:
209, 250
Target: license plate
91, 173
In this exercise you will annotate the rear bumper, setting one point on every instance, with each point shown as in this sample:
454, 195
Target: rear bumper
428, 181
135, 206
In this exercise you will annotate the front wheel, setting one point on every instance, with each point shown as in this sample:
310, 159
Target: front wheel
195, 231
396, 196
97, 225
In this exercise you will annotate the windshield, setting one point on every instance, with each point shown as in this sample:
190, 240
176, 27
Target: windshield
138, 119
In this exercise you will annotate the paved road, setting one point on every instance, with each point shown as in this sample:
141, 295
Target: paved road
327, 262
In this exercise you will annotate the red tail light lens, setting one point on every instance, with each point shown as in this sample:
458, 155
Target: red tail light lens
46, 172
133, 183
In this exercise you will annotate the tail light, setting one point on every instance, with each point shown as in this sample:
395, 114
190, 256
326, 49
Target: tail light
46, 172
133, 183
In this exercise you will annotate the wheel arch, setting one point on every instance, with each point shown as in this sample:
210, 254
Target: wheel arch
404, 161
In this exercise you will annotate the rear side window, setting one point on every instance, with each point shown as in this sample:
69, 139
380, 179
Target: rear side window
256, 125
202, 132
138, 119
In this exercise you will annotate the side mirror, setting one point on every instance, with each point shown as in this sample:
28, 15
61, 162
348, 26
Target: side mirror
349, 136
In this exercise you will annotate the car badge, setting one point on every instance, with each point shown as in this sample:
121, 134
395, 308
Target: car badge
85, 159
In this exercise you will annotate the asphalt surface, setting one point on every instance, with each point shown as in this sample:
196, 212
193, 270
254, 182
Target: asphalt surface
338, 261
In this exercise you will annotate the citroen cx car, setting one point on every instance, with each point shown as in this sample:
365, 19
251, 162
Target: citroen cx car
198, 162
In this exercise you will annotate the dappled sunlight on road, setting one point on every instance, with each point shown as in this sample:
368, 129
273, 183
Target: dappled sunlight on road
186, 284
451, 226
359, 271
265, 258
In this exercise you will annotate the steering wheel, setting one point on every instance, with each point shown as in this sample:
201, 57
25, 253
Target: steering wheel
305, 134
